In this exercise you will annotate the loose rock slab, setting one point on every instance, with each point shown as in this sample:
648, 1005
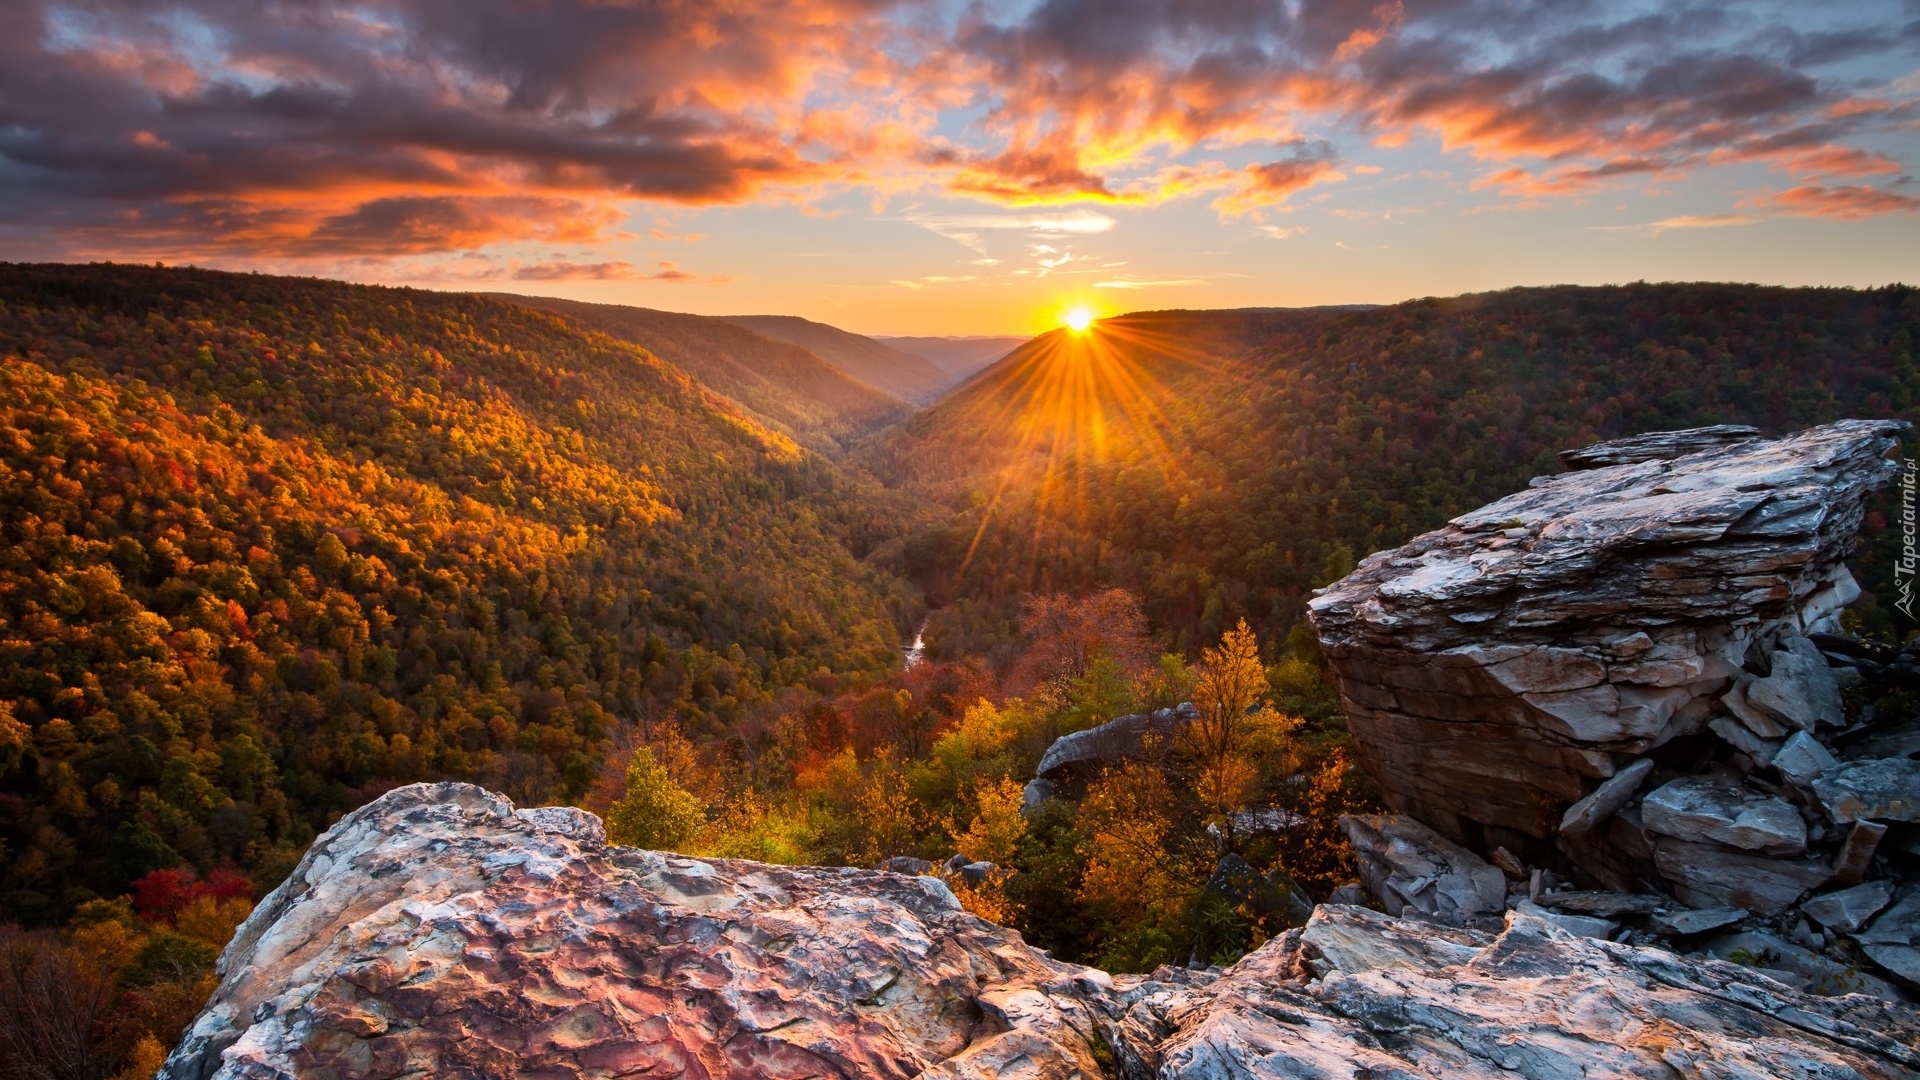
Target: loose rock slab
1704, 808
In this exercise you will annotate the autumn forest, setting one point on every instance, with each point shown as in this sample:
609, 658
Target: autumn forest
273, 546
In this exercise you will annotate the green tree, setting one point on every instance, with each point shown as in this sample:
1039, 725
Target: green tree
654, 812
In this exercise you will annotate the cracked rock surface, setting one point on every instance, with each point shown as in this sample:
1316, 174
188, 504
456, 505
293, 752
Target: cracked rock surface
439, 932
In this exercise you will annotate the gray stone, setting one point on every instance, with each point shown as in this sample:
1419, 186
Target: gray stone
905, 864
1893, 939
1352, 894
1735, 701
1855, 857
1707, 875
1688, 921
1035, 792
1119, 739
1657, 446
1882, 789
1704, 808
1900, 740
977, 873
1742, 738
1260, 821
1799, 967
1800, 691
1409, 866
1603, 904
1578, 925
1606, 799
1849, 909
1802, 759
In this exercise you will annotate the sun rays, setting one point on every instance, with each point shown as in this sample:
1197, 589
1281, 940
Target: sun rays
1090, 395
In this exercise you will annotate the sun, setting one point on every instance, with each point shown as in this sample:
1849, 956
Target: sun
1078, 320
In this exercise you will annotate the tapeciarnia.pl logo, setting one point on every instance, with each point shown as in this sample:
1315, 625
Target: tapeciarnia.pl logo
1903, 569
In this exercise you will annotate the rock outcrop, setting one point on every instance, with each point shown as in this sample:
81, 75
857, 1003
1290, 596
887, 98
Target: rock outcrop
1085, 752
440, 932
1627, 675
1497, 670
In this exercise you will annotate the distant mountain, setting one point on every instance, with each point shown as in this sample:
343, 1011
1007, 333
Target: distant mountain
1224, 463
902, 374
782, 384
959, 357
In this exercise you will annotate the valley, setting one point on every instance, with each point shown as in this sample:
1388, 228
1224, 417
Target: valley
762, 589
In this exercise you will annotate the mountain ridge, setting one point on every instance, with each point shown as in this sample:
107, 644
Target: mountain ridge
902, 374
783, 384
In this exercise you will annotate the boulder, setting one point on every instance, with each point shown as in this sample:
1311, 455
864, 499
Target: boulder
1260, 821
1892, 940
1409, 867
1122, 738
1495, 672
1855, 857
1880, 789
976, 874
1705, 808
1741, 737
1708, 875
1760, 723
1802, 759
1849, 909
1035, 792
905, 864
439, 932
1800, 692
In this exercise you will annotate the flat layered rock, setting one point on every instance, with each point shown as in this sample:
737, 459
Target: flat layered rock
1657, 446
1534, 1001
1848, 910
1703, 808
1708, 875
1877, 789
439, 932
1500, 672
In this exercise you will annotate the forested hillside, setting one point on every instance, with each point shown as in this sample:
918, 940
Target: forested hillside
779, 383
959, 357
272, 545
1222, 464
902, 374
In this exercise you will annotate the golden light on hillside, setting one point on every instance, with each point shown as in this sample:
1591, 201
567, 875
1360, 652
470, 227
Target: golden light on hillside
1075, 400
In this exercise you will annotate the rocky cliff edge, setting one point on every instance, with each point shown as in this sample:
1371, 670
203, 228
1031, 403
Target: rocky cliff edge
440, 932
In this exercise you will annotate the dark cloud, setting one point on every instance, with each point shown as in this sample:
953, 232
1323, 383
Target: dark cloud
306, 128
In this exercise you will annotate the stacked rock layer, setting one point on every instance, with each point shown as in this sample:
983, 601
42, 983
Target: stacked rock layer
1627, 673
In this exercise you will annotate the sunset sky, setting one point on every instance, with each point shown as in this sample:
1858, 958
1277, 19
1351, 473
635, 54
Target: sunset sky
961, 168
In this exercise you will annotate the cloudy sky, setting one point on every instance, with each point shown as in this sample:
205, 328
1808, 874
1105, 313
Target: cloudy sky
956, 167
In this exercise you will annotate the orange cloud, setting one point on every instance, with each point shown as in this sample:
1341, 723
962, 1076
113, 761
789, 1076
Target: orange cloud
383, 128
1844, 202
